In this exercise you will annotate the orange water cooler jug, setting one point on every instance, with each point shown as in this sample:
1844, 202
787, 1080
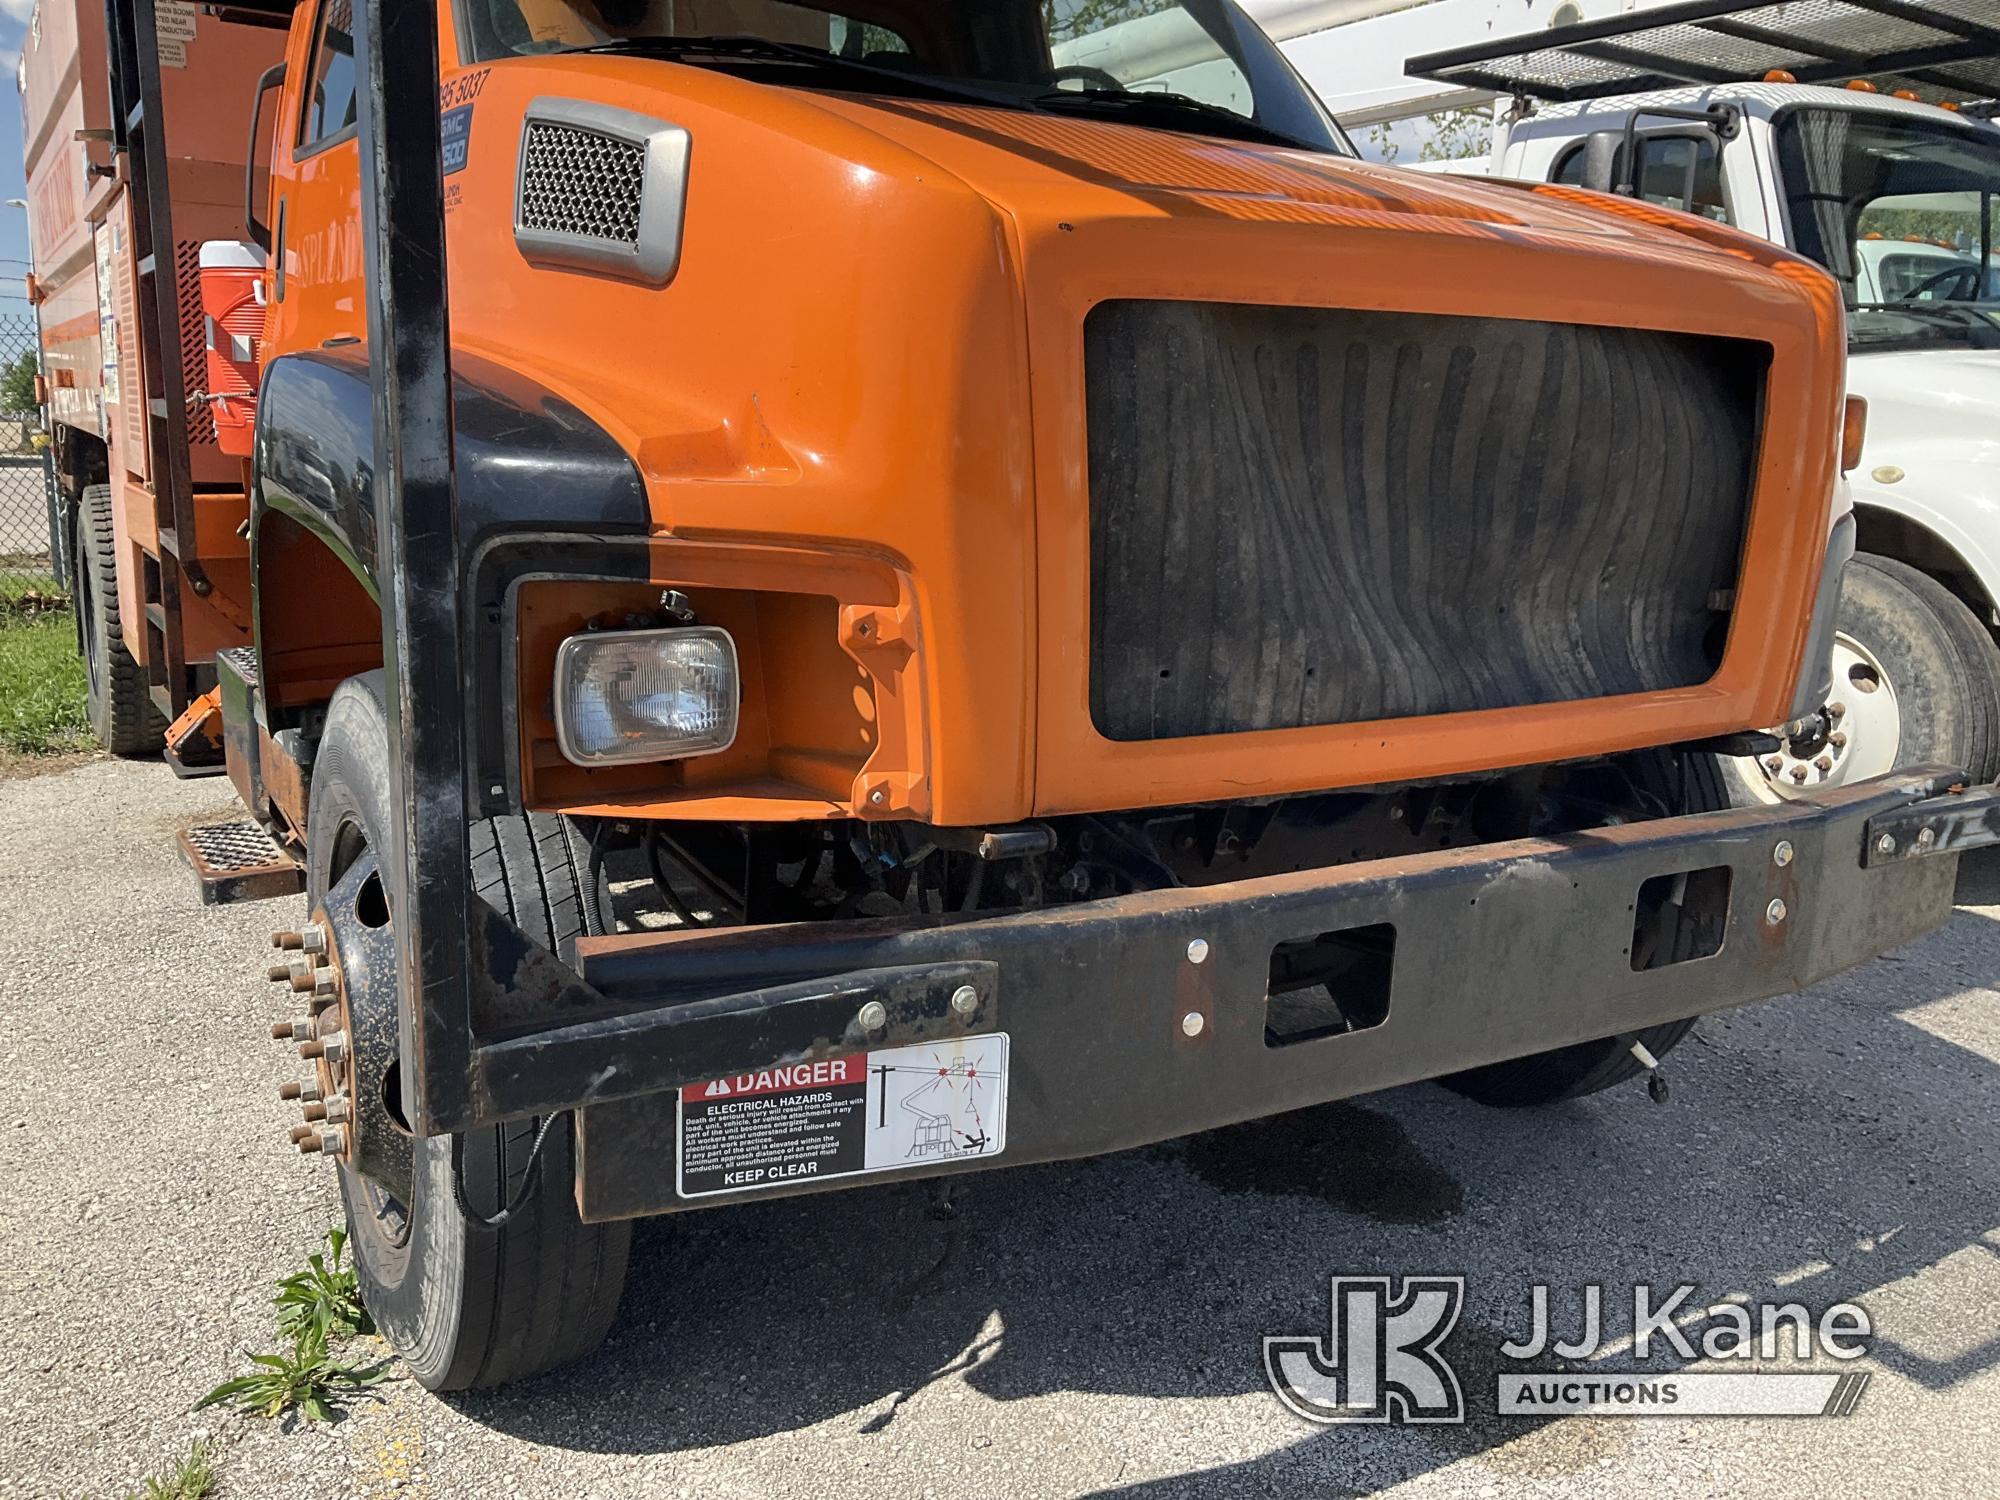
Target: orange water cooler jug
232, 304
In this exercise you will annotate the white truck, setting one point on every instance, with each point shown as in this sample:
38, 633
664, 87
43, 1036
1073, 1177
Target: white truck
1859, 142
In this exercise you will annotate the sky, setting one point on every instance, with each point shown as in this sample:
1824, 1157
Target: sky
13, 222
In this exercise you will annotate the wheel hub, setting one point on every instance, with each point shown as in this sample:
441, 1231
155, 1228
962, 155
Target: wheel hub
1856, 737
345, 967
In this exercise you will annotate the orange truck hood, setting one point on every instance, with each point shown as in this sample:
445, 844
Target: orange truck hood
1020, 161
874, 351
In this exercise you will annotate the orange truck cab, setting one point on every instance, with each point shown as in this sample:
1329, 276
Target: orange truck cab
1017, 599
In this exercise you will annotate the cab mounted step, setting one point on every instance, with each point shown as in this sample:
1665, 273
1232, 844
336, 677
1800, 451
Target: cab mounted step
239, 861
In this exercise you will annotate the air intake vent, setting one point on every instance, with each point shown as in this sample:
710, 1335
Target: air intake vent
601, 190
582, 183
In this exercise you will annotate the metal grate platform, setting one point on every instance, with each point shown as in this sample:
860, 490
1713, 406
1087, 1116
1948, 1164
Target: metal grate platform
239, 862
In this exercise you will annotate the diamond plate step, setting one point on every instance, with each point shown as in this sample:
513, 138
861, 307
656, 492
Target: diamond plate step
239, 862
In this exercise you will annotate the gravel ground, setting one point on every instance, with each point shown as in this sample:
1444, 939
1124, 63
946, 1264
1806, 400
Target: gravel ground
1083, 1328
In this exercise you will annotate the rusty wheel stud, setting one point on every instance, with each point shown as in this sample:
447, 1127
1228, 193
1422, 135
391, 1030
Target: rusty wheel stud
311, 1143
314, 1112
278, 973
289, 940
312, 1049
300, 1132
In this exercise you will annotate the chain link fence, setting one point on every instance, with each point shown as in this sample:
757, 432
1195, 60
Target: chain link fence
30, 575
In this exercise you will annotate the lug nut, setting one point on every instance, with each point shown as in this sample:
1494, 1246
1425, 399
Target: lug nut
338, 1110
1835, 710
1838, 739
312, 938
1825, 763
333, 1140
1799, 775
291, 1031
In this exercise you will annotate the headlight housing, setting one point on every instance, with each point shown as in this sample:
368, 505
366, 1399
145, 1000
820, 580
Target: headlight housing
623, 696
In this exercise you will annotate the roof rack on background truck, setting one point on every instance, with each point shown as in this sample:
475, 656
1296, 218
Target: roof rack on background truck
857, 632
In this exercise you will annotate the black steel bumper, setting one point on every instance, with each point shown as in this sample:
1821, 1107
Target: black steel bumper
1500, 951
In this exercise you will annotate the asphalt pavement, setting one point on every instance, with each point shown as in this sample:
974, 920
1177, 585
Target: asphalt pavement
1086, 1328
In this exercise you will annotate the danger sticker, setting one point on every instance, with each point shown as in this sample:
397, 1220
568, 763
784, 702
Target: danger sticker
869, 1112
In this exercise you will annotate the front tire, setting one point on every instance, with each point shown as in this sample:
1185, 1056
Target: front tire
1680, 784
467, 1305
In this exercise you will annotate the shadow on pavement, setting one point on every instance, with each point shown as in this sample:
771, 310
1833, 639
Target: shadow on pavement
1827, 1133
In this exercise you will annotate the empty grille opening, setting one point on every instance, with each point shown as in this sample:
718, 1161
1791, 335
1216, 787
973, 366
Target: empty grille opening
581, 182
1679, 918
1329, 985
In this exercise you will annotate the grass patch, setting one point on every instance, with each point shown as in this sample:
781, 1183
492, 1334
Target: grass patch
42, 685
318, 1308
193, 1478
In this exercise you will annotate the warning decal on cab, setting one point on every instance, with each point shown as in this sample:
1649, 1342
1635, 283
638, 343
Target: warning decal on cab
870, 1112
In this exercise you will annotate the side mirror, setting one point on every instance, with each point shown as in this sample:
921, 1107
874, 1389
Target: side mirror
258, 230
1601, 150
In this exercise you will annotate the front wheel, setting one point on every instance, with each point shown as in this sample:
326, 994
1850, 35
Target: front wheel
1679, 785
467, 1304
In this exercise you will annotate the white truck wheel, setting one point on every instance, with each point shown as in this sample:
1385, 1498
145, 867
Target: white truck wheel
1916, 681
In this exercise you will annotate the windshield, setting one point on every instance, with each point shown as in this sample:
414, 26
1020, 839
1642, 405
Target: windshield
1902, 212
1194, 65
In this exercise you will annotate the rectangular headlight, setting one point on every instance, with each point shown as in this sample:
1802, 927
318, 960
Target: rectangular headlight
638, 695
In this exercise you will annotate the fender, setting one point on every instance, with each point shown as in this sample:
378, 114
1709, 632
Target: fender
525, 459
527, 464
1953, 501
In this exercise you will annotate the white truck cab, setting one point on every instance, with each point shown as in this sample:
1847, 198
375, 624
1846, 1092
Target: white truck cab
1897, 198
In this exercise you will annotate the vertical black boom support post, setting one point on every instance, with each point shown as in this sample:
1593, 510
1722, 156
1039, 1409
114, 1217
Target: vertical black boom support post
418, 566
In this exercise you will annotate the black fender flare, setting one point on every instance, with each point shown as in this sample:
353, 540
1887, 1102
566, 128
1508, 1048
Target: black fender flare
531, 470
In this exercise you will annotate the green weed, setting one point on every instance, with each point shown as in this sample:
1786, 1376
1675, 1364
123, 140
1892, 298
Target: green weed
193, 1478
324, 1300
307, 1380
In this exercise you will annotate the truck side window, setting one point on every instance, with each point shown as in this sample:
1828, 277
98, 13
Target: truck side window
1665, 177
329, 110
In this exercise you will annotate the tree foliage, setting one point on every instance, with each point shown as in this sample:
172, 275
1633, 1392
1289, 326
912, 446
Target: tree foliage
17, 384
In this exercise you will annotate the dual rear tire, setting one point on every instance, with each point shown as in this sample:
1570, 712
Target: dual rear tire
120, 707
